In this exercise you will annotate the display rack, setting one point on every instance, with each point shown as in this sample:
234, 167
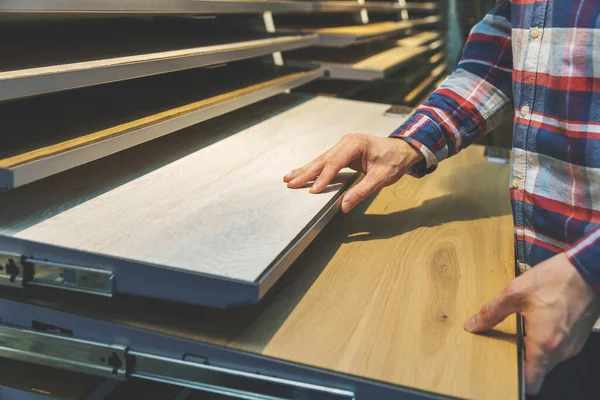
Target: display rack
141, 157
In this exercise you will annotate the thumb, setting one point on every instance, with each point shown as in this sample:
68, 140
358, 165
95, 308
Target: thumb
372, 181
494, 312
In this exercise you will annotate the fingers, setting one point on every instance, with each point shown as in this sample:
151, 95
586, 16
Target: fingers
326, 176
306, 174
373, 181
494, 312
328, 165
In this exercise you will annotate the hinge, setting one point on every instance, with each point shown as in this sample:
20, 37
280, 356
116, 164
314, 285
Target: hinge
18, 271
99, 359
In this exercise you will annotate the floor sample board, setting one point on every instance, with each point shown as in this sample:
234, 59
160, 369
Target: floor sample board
340, 36
363, 62
394, 88
74, 127
382, 293
419, 39
44, 57
222, 210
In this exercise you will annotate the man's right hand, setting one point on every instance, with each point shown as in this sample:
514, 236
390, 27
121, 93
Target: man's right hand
382, 160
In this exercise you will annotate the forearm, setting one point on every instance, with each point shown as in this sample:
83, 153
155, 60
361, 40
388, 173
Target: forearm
471, 101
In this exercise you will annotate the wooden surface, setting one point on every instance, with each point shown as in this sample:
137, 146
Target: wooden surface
376, 56
104, 112
374, 29
221, 210
382, 293
390, 58
419, 39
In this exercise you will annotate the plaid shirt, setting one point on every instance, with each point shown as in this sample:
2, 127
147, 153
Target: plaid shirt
540, 59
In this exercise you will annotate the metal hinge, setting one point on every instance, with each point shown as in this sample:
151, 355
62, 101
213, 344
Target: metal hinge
17, 270
119, 362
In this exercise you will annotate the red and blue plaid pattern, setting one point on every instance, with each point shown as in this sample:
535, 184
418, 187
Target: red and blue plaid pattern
540, 58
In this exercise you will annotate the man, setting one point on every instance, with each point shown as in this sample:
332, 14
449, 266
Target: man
540, 58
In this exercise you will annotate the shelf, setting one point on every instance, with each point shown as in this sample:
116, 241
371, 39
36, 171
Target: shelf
367, 62
48, 134
68, 8
49, 59
43, 9
342, 36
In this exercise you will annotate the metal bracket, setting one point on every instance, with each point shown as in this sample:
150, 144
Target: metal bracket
63, 352
11, 269
118, 362
18, 271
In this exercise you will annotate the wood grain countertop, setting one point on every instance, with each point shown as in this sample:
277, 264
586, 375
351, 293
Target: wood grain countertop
382, 293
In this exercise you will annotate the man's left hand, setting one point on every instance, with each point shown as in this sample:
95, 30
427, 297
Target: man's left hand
559, 309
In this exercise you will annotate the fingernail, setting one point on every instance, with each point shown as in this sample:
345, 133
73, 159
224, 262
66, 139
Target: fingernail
346, 205
289, 176
314, 188
294, 181
470, 324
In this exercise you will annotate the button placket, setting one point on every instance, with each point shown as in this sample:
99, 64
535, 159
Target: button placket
531, 62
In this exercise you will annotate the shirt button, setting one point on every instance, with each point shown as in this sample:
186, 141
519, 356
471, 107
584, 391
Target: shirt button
535, 32
516, 182
522, 267
525, 110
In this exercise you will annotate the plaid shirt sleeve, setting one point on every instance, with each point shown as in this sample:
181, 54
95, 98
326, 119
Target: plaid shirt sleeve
471, 101
584, 255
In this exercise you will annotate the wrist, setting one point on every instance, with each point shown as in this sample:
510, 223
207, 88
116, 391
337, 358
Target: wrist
410, 154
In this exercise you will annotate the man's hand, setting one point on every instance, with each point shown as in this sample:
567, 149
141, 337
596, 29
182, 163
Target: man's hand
382, 160
559, 309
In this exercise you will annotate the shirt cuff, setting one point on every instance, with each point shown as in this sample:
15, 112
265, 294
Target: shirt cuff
425, 136
585, 256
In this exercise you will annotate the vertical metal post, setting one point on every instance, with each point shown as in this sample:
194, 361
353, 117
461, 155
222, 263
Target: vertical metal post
270, 27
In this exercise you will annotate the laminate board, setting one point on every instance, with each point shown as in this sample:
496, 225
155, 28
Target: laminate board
393, 88
382, 293
368, 61
44, 57
108, 118
419, 39
340, 36
221, 210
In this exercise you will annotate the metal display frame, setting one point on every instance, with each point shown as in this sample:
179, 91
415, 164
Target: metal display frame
38, 81
197, 365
